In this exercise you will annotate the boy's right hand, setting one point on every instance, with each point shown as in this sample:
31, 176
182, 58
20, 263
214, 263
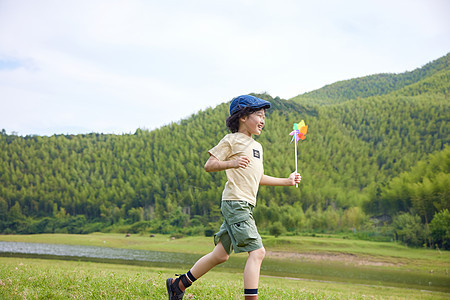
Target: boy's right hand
241, 162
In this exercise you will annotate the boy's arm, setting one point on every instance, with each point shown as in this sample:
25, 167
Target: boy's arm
215, 165
293, 179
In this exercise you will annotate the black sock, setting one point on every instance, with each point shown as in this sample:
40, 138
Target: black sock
186, 280
250, 293
190, 277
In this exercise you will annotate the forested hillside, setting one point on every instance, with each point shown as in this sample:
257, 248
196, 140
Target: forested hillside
373, 85
370, 132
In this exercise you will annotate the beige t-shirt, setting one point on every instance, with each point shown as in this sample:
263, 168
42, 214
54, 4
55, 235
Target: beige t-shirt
242, 183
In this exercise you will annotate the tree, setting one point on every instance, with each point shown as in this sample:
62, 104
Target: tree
136, 214
440, 229
409, 229
15, 213
3, 210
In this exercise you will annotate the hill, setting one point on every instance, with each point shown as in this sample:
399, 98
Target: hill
154, 180
373, 85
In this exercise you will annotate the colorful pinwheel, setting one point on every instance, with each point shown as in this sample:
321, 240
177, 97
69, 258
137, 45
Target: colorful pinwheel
299, 133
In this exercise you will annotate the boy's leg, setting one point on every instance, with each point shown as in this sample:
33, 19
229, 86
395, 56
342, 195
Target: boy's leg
209, 261
202, 266
251, 273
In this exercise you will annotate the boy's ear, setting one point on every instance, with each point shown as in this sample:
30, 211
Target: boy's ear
243, 119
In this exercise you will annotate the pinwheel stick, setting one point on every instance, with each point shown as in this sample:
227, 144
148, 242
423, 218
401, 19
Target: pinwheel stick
296, 185
299, 133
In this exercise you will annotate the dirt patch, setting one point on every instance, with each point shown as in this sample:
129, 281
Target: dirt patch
346, 258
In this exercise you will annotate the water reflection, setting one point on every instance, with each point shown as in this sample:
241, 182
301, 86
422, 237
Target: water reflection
96, 252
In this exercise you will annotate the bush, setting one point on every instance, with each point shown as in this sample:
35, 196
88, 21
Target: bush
276, 229
93, 227
440, 229
140, 226
409, 229
211, 228
177, 235
209, 232
75, 224
353, 218
193, 230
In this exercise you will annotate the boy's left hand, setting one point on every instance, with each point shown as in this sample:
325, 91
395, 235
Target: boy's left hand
295, 178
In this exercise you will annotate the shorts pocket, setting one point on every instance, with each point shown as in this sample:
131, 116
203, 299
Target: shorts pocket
244, 232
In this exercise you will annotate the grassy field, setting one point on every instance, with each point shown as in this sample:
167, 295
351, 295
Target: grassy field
52, 279
390, 254
26, 278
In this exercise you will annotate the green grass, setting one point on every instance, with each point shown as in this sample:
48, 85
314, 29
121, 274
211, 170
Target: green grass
389, 253
42, 279
22, 278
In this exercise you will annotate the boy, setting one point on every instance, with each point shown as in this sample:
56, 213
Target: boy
242, 159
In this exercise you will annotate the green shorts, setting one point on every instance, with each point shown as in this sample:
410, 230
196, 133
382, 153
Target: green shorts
238, 231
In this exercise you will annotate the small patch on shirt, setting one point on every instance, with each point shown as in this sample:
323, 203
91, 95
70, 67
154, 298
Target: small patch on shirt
256, 153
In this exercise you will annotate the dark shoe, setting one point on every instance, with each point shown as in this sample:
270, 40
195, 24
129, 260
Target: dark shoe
174, 290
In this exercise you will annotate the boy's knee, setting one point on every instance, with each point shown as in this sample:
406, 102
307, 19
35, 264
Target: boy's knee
262, 252
222, 258
259, 253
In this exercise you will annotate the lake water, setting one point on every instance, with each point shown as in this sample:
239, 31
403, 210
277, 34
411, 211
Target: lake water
328, 271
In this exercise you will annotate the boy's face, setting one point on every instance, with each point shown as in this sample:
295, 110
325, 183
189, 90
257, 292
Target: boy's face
253, 123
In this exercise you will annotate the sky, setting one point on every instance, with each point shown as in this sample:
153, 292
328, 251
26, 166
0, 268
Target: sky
109, 66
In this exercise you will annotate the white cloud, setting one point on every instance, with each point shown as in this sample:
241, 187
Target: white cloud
113, 66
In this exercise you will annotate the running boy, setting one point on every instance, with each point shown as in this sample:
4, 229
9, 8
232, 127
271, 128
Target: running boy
242, 159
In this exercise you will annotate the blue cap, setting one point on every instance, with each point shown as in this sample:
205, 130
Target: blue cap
243, 101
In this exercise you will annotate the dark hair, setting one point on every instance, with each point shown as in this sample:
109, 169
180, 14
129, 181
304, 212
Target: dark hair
233, 120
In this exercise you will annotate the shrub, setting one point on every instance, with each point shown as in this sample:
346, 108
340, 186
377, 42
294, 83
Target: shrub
409, 229
353, 217
276, 229
209, 232
140, 226
440, 229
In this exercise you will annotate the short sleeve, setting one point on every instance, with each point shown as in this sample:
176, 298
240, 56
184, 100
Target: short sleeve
222, 150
